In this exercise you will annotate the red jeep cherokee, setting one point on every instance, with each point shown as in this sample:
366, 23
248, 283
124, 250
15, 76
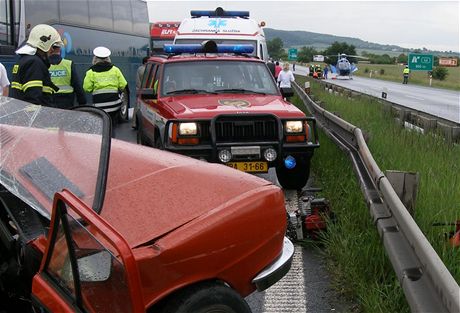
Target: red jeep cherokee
224, 108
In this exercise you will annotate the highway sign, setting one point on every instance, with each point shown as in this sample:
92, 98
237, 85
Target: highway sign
420, 62
292, 54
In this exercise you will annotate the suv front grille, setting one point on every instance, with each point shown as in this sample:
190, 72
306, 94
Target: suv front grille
247, 129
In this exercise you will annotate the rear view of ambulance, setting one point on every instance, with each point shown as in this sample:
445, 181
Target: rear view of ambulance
223, 27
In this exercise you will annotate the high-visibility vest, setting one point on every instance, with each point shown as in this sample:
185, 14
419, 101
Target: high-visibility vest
105, 85
406, 71
61, 75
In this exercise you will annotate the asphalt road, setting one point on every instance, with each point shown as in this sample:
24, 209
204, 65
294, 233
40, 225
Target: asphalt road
306, 288
438, 102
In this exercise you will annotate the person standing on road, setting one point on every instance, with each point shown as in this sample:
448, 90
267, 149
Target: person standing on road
31, 79
271, 66
64, 75
105, 82
285, 78
326, 70
293, 66
4, 82
278, 69
139, 75
406, 72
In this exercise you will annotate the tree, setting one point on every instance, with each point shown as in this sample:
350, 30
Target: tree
402, 58
440, 73
337, 48
275, 48
306, 54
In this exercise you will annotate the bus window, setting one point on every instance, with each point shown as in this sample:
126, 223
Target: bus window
140, 18
41, 12
74, 12
100, 15
122, 17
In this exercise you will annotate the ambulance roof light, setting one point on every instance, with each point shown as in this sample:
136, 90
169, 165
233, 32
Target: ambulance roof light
219, 12
208, 47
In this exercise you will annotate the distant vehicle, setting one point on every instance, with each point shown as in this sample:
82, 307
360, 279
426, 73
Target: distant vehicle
90, 224
162, 33
318, 58
223, 27
224, 108
121, 26
344, 69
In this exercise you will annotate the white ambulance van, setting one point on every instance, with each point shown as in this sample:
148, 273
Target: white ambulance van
223, 27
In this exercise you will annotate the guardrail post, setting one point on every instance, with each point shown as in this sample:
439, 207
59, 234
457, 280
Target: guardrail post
405, 184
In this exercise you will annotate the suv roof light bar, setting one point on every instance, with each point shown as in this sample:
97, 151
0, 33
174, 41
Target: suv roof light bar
219, 12
208, 47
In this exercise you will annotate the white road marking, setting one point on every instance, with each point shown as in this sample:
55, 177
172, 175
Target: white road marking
288, 294
413, 97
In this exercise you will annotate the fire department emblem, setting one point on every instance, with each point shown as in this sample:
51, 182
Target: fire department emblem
235, 102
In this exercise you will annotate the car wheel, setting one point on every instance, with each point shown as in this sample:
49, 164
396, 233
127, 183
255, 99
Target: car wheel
124, 112
295, 178
206, 298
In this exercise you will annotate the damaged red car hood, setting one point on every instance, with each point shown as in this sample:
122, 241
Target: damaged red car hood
152, 192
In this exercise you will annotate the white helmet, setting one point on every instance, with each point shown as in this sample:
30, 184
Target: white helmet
43, 36
102, 52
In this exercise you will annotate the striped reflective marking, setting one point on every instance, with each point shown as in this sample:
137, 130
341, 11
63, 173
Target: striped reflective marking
288, 294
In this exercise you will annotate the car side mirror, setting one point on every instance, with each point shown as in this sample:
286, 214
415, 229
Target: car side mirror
148, 93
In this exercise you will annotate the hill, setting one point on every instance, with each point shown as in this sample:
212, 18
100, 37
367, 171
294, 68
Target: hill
296, 38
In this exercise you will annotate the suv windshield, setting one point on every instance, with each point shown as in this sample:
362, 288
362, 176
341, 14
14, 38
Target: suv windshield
211, 77
44, 150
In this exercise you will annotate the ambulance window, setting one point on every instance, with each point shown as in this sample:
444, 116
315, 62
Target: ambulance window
261, 52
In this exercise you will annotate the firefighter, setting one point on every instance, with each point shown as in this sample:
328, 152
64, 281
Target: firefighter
105, 82
31, 79
64, 75
406, 72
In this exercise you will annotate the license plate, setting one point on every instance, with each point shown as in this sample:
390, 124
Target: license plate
250, 167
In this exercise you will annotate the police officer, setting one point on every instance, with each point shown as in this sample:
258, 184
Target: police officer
31, 79
105, 82
64, 75
406, 72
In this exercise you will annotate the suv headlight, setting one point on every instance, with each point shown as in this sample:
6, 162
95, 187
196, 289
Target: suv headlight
294, 127
188, 129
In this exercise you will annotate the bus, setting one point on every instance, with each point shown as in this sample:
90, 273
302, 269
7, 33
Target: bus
162, 33
120, 25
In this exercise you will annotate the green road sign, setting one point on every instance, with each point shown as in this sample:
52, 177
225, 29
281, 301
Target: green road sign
420, 62
292, 54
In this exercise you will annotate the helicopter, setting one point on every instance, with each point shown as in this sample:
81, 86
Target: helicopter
343, 68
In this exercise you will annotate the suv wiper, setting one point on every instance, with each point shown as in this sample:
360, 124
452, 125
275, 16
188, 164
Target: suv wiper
240, 90
194, 91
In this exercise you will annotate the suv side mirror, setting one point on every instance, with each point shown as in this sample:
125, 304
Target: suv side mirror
148, 93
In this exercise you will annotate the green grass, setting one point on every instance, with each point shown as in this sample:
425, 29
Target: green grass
358, 261
393, 72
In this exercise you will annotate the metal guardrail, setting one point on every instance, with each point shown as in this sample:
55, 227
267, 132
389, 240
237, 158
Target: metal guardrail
428, 122
426, 282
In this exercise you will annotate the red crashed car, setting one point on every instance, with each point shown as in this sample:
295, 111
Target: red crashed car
90, 224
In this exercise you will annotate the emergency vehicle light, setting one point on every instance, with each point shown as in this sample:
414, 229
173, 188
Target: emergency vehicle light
219, 12
198, 48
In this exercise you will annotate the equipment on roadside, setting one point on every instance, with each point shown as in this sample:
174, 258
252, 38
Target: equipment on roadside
310, 220
452, 236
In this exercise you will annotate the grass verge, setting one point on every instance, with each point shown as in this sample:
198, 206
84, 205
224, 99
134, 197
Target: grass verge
358, 261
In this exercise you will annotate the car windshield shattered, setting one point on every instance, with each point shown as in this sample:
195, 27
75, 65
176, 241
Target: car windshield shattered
45, 150
217, 77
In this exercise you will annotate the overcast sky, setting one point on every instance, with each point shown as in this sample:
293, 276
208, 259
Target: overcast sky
410, 24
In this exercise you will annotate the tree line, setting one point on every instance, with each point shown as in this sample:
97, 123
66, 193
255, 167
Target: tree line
305, 54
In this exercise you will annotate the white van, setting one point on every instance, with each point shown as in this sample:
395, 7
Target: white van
223, 27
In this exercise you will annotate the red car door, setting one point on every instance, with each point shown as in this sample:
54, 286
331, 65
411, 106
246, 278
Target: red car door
87, 266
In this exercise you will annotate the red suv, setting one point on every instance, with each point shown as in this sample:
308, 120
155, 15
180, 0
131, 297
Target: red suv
224, 108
